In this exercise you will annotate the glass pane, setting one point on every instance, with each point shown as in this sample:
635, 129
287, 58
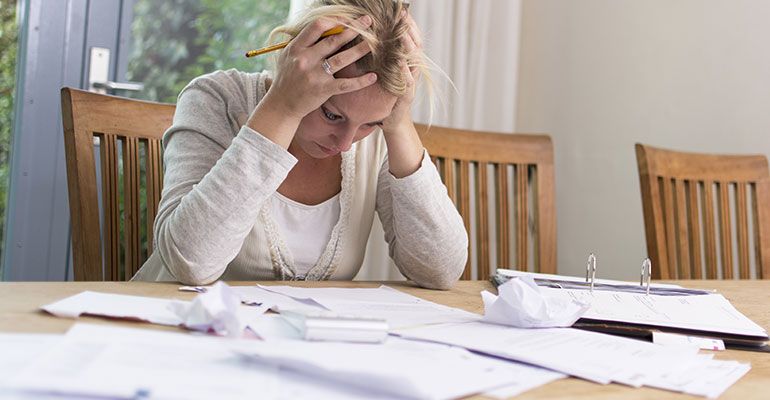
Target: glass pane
9, 29
173, 41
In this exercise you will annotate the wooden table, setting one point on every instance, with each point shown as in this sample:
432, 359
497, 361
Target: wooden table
20, 303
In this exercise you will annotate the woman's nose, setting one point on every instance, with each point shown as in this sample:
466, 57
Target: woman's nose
344, 139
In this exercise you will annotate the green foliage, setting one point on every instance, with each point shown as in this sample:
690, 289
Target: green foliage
173, 41
8, 45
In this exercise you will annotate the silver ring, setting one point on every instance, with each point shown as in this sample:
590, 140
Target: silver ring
326, 66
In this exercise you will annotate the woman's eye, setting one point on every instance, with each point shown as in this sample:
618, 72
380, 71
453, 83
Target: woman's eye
330, 116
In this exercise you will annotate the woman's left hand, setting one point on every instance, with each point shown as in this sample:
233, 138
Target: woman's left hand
412, 41
405, 150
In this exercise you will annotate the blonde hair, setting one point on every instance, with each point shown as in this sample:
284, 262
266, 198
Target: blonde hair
383, 37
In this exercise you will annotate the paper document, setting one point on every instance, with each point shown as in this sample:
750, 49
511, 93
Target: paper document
96, 360
673, 339
258, 296
597, 357
19, 349
710, 313
201, 314
111, 362
402, 368
137, 308
401, 310
521, 305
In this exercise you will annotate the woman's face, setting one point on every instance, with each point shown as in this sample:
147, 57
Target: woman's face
344, 119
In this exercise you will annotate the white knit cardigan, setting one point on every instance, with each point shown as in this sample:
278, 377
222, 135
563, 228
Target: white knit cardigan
214, 219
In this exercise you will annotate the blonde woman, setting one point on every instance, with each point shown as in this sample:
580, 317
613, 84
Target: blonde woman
279, 176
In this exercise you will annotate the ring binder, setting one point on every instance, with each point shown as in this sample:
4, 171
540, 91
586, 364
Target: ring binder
591, 270
646, 272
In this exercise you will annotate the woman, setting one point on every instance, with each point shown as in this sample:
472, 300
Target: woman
279, 177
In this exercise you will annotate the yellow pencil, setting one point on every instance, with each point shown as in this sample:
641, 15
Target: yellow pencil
274, 47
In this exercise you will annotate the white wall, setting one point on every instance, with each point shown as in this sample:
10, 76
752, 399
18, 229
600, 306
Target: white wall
601, 75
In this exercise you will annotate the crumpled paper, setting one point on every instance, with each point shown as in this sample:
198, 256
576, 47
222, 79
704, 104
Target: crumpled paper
216, 310
522, 305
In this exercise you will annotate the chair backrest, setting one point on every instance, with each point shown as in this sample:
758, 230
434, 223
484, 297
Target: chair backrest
522, 180
128, 134
689, 202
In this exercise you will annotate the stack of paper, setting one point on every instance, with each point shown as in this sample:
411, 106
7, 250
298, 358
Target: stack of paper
593, 356
708, 314
114, 362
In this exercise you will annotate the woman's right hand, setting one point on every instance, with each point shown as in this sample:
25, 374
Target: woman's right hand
301, 83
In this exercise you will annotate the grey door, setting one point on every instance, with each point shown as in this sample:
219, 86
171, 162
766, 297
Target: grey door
54, 51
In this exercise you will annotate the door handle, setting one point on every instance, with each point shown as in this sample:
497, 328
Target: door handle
110, 85
99, 73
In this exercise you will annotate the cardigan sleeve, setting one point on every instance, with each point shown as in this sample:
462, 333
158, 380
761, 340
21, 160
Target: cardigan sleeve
424, 231
217, 176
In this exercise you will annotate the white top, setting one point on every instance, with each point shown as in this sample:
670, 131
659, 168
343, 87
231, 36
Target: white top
294, 218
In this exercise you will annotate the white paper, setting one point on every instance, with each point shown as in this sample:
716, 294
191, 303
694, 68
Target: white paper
673, 339
399, 367
705, 313
399, 309
122, 362
709, 378
272, 327
526, 381
266, 299
98, 360
137, 308
215, 310
17, 350
520, 304
597, 357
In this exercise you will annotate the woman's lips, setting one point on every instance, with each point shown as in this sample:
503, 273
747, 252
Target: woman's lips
327, 150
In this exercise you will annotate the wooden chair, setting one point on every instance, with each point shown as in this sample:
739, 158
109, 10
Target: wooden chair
687, 196
128, 133
523, 180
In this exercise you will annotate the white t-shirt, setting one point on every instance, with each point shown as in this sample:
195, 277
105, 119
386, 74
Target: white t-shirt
305, 229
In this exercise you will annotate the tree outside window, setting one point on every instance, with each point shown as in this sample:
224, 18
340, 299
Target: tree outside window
9, 30
173, 41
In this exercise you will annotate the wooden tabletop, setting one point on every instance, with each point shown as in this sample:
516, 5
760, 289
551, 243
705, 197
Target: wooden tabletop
20, 304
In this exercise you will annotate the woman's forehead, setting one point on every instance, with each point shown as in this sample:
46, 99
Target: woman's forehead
370, 104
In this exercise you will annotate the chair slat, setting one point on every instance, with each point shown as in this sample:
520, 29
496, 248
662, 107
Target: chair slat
522, 217
709, 231
482, 219
683, 244
760, 198
669, 215
742, 220
503, 224
544, 210
693, 226
464, 205
725, 229
110, 206
132, 206
150, 192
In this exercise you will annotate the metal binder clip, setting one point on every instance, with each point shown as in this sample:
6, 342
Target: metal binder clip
591, 270
646, 273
